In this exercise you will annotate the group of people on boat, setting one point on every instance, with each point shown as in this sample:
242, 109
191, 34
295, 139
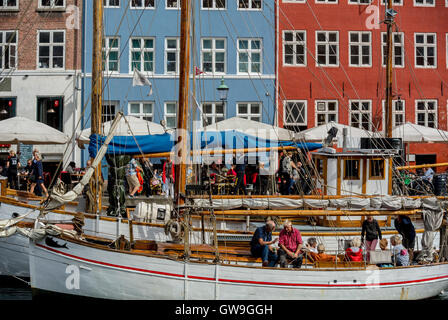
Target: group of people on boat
292, 251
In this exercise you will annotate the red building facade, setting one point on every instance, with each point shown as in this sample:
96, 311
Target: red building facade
331, 66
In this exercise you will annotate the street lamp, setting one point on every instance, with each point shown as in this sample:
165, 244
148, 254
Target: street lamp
223, 90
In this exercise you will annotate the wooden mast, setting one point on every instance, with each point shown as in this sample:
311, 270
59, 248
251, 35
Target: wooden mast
181, 148
389, 20
96, 102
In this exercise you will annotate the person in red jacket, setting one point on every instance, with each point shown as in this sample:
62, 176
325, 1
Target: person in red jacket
354, 252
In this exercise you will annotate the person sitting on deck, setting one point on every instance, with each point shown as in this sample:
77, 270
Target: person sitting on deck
428, 174
400, 255
290, 243
322, 256
383, 246
260, 245
354, 252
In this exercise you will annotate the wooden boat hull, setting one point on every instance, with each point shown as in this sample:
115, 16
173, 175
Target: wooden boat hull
71, 267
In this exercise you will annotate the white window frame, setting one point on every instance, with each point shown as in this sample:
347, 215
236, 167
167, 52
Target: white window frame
171, 114
326, 112
6, 45
52, 5
426, 46
360, 46
249, 115
394, 44
141, 114
107, 50
213, 52
250, 52
250, 5
358, 2
327, 44
426, 112
171, 50
295, 43
361, 112
214, 5
142, 50
394, 2
108, 5
51, 45
4, 5
143, 6
286, 116
327, 1
424, 4
394, 112
177, 7
213, 115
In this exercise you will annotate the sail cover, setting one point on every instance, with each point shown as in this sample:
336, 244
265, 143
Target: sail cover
215, 140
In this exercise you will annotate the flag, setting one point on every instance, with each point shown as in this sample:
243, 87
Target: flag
198, 71
139, 79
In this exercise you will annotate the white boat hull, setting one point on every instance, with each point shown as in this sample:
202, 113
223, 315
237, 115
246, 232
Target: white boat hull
77, 269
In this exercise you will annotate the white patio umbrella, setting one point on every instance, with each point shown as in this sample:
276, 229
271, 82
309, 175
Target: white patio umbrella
319, 133
411, 132
255, 128
26, 131
128, 126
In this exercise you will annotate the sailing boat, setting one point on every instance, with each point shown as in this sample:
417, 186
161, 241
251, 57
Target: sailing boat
71, 263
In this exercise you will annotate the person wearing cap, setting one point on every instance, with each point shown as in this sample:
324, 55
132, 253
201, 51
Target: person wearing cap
261, 244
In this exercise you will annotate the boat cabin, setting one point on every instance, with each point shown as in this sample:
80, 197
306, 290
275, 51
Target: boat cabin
353, 173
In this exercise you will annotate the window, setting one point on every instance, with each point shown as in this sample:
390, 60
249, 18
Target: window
426, 113
51, 49
111, 50
397, 49
294, 48
361, 114
213, 4
398, 112
326, 111
50, 111
249, 110
142, 54
376, 169
327, 48
424, 3
351, 169
142, 110
111, 3
8, 49
7, 107
172, 55
394, 2
212, 112
360, 47
170, 114
249, 4
326, 1
359, 1
249, 56
213, 55
425, 50
173, 4
108, 110
51, 4
9, 4
295, 114
142, 4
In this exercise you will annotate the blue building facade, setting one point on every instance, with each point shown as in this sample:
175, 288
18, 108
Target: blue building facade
232, 39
